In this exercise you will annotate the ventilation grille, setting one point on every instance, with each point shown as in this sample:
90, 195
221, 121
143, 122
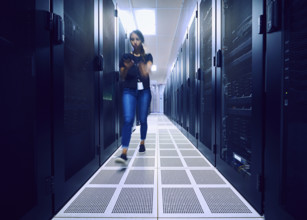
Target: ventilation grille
174, 177
134, 200
189, 146
171, 162
167, 146
140, 177
150, 141
144, 162
182, 141
207, 177
164, 137
189, 153
147, 153
196, 162
108, 177
223, 200
180, 200
91, 200
165, 141
168, 153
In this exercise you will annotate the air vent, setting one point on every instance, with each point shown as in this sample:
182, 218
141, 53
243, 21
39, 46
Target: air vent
174, 177
171, 162
180, 200
223, 200
91, 200
108, 177
207, 177
134, 200
140, 177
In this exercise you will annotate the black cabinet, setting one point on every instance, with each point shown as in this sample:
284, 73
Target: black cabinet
240, 100
57, 95
225, 90
286, 124
26, 116
73, 81
207, 84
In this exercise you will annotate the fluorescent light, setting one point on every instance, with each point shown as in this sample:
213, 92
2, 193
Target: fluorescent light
146, 21
154, 68
127, 20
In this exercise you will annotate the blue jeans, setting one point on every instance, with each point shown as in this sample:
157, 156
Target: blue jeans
132, 99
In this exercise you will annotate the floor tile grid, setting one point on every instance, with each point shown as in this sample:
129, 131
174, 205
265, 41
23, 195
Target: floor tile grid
121, 185
197, 187
108, 212
175, 138
191, 185
135, 139
157, 179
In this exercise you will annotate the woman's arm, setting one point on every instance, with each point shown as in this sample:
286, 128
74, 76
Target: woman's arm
124, 70
145, 68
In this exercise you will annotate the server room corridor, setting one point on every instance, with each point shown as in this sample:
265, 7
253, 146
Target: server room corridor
227, 134
171, 180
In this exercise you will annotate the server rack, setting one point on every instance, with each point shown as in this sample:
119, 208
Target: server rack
179, 91
109, 81
184, 87
240, 84
230, 90
206, 141
192, 80
285, 154
73, 73
122, 44
178, 100
25, 109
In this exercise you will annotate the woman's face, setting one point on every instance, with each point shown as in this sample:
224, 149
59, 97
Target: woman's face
135, 41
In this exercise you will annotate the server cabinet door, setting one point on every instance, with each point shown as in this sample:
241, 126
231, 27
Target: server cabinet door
75, 157
121, 50
178, 85
184, 82
285, 154
207, 84
25, 127
240, 146
108, 84
192, 79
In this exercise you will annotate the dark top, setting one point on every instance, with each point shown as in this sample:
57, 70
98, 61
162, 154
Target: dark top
133, 74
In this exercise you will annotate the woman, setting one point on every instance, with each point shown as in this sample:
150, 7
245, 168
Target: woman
134, 70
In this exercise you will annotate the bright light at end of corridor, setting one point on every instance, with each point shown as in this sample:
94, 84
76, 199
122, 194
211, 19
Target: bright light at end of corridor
154, 68
146, 21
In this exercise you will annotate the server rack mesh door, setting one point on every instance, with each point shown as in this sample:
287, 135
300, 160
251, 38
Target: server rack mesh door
193, 92
109, 83
79, 103
206, 73
25, 109
122, 46
237, 85
294, 151
184, 82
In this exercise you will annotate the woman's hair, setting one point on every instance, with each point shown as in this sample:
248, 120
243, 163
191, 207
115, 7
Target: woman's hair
141, 36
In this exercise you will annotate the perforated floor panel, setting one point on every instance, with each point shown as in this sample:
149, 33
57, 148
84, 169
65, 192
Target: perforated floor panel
171, 180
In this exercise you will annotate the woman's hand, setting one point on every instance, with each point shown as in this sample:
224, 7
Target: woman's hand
145, 68
128, 63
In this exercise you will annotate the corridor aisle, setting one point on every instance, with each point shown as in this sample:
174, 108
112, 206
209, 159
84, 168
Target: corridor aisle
171, 180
